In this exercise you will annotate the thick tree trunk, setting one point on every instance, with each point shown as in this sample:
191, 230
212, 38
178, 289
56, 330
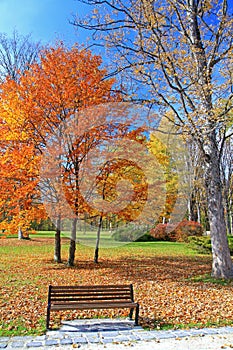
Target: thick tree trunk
221, 263
57, 248
20, 233
96, 256
72, 243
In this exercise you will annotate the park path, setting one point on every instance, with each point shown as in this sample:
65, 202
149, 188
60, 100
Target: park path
109, 334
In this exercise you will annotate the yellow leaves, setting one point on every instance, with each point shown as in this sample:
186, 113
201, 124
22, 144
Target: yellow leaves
159, 149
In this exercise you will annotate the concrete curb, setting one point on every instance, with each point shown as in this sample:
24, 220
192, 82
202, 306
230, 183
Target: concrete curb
81, 333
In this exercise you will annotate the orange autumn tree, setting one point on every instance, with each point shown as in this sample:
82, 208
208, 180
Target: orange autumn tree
123, 184
64, 82
19, 200
96, 193
121, 179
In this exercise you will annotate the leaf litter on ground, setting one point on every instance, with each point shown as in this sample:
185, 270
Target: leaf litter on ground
164, 286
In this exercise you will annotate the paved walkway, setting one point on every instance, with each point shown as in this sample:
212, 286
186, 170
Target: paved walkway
85, 333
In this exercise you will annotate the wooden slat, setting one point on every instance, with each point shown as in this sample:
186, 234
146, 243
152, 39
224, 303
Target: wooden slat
91, 298
94, 296
83, 306
88, 287
81, 290
72, 292
78, 292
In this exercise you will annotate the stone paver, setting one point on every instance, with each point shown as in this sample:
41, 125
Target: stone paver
84, 333
34, 344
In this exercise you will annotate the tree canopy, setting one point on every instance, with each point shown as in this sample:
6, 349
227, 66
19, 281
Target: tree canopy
181, 53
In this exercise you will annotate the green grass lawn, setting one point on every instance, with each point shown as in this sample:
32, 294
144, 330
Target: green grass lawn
167, 279
88, 239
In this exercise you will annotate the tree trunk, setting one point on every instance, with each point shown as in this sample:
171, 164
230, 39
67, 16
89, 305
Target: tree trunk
221, 263
198, 213
192, 208
228, 217
228, 205
231, 223
20, 233
57, 248
72, 243
96, 257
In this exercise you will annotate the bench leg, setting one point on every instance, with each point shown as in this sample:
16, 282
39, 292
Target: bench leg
48, 318
131, 314
136, 315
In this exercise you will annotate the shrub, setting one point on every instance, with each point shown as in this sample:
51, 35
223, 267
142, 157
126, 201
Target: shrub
130, 233
122, 236
186, 229
203, 244
177, 233
146, 238
161, 232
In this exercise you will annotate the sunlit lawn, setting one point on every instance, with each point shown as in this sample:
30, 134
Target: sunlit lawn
165, 275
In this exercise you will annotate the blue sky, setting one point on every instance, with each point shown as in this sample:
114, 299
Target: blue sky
46, 20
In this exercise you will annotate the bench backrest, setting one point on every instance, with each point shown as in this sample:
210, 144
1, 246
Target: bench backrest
90, 294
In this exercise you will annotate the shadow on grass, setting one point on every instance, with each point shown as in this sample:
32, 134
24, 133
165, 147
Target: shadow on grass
141, 269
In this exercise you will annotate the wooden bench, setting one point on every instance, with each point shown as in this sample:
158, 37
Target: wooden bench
91, 297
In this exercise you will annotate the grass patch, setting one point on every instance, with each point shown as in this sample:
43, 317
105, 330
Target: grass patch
17, 327
208, 279
163, 275
162, 248
210, 324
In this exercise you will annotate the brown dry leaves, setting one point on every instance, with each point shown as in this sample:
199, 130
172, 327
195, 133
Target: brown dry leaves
160, 283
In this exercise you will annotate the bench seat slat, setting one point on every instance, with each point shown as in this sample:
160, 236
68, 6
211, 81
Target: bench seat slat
87, 293
83, 306
97, 290
103, 286
92, 288
74, 298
